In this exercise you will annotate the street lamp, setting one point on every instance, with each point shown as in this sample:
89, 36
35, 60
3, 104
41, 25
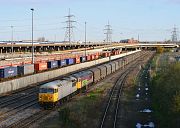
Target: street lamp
85, 38
32, 38
12, 39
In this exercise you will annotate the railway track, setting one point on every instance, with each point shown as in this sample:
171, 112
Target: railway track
6, 102
17, 103
6, 114
17, 97
25, 123
110, 115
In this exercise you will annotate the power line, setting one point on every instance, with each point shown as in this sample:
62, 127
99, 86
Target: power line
108, 33
69, 28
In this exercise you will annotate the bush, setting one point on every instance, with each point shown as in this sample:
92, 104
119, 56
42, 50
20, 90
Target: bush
166, 97
160, 49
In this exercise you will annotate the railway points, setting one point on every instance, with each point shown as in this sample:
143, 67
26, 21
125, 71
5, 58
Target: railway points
94, 66
21, 107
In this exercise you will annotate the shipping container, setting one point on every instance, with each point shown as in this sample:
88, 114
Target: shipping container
52, 64
6, 72
113, 52
82, 59
92, 57
77, 60
62, 63
88, 57
96, 56
106, 54
70, 61
25, 69
40, 66
96, 73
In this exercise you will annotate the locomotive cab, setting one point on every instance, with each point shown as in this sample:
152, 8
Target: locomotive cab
48, 96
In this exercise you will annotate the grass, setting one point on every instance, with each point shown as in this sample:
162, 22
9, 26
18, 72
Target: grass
82, 112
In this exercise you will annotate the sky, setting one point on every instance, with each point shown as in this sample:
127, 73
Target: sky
152, 20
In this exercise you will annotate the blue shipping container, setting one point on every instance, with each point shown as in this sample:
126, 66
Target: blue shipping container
82, 59
8, 72
61, 63
52, 64
70, 61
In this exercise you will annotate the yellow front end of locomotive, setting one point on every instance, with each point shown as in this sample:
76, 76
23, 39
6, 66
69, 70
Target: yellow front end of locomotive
48, 98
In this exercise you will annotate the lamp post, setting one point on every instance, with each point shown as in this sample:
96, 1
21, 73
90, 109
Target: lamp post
32, 37
85, 39
12, 39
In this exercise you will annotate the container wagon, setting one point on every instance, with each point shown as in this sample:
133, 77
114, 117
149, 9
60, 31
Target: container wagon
88, 57
62, 63
7, 72
41, 66
52, 64
25, 69
82, 59
70, 61
77, 60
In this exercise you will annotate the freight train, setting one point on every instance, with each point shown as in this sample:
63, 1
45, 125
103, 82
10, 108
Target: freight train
51, 93
26, 69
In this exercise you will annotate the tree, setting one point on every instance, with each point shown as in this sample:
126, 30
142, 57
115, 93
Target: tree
160, 49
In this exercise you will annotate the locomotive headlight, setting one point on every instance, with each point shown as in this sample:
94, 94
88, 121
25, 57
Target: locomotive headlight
40, 97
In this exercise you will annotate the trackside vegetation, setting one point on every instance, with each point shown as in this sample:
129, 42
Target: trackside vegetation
166, 94
84, 111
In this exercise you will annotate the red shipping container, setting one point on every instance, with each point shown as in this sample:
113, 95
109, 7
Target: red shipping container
92, 57
96, 56
1, 67
113, 52
118, 52
108, 54
88, 57
105, 54
77, 60
40, 66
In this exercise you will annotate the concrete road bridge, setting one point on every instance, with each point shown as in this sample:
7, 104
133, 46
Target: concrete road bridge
49, 47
